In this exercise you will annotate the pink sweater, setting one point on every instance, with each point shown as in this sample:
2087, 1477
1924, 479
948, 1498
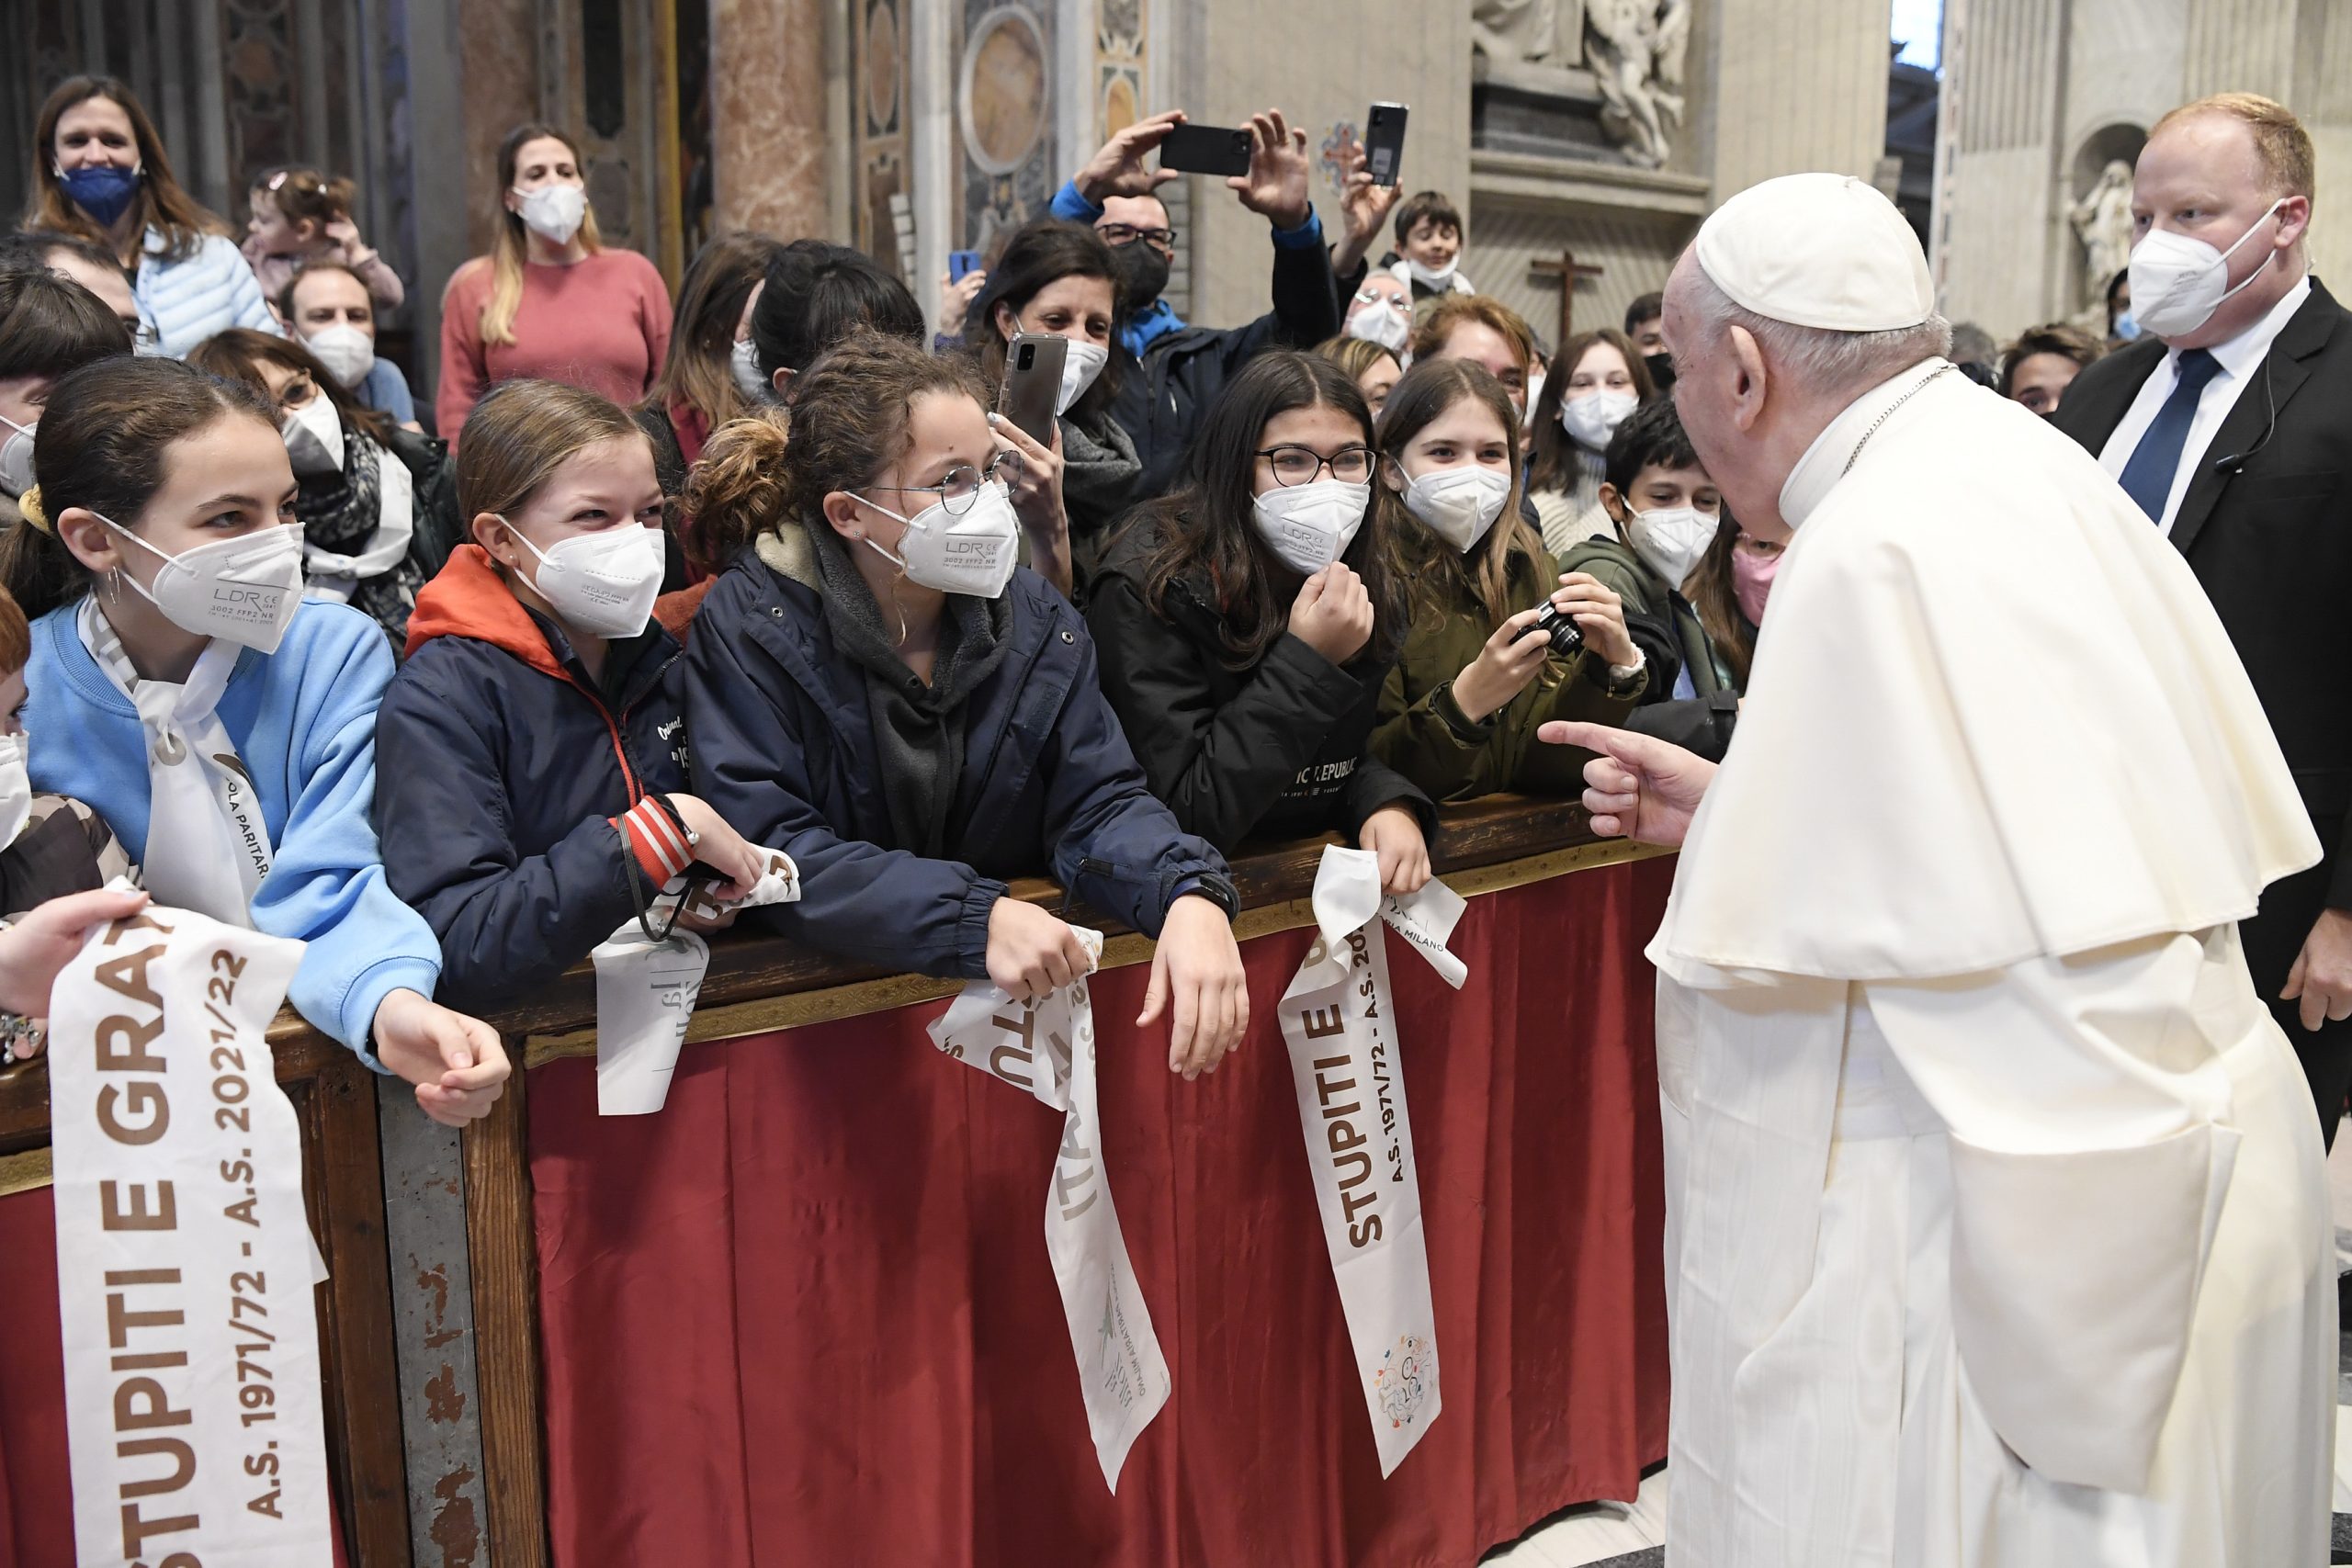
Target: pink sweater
602, 324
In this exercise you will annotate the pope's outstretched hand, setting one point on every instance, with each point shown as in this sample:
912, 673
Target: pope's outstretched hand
1638, 787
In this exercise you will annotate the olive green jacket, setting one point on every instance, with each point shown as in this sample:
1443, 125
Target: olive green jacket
1422, 733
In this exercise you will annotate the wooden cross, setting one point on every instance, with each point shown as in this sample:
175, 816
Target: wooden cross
1566, 271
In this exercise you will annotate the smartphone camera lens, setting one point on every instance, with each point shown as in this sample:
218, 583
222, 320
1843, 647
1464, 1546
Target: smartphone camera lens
1028, 355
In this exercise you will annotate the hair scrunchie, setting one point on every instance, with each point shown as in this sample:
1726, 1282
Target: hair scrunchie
29, 507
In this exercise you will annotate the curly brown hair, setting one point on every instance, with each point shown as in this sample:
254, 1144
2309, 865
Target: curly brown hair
849, 422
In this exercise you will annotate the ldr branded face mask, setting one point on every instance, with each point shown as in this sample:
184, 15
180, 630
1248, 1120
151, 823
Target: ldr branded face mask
2177, 283
1311, 526
244, 590
1458, 503
554, 212
16, 457
602, 584
1593, 418
347, 352
1670, 539
314, 438
972, 554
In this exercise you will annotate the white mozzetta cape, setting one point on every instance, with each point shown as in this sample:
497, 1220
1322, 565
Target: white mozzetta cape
1976, 642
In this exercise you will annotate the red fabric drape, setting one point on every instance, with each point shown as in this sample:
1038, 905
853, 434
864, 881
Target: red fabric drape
805, 1314
36, 1483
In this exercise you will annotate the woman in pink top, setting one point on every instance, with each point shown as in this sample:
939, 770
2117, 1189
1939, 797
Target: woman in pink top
548, 301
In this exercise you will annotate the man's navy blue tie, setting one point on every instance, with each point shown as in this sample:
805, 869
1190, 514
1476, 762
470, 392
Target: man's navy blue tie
2147, 478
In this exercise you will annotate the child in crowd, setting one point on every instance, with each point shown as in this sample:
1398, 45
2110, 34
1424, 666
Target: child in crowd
876, 689
1663, 513
1428, 246
49, 326
1728, 592
1249, 621
534, 772
227, 737
378, 503
298, 216
1459, 711
1373, 369
326, 305
1600, 381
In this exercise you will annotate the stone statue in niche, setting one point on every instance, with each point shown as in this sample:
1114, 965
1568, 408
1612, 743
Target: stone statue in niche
2102, 221
1635, 50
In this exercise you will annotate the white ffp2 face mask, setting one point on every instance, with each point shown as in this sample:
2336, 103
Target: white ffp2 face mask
2177, 283
743, 366
244, 590
602, 584
1382, 323
1594, 417
16, 787
1670, 539
973, 553
1311, 526
1460, 503
314, 437
16, 457
553, 212
347, 352
1079, 367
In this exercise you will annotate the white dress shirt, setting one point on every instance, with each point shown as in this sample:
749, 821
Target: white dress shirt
2241, 361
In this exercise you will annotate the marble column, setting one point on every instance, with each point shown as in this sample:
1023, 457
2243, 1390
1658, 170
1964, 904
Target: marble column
769, 116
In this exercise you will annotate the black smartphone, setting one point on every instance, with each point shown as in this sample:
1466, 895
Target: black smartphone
1384, 143
962, 263
1206, 150
1033, 383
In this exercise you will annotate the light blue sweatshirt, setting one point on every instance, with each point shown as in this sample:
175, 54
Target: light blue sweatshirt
303, 720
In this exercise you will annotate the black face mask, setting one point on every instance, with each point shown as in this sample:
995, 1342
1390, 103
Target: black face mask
1661, 366
1143, 271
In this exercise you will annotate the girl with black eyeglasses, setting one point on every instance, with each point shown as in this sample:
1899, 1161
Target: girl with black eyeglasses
1247, 623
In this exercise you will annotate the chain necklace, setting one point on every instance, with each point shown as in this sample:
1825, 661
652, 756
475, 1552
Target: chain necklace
1888, 412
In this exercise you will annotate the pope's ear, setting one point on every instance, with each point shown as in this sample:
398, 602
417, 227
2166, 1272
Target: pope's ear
1749, 381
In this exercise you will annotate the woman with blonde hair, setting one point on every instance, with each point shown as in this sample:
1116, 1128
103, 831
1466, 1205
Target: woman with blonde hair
100, 174
1375, 366
533, 774
549, 301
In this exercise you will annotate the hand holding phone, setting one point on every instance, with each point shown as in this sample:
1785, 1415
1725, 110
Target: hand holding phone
1033, 383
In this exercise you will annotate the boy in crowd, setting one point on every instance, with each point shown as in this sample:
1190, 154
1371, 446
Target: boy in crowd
1428, 246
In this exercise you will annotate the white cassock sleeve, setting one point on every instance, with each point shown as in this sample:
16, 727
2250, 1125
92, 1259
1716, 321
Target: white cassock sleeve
2091, 1142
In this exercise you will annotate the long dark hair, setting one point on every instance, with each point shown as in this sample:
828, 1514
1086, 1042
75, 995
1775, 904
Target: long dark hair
1555, 464
1207, 531
1424, 392
818, 294
237, 353
699, 371
1038, 255
101, 444
1710, 591
160, 204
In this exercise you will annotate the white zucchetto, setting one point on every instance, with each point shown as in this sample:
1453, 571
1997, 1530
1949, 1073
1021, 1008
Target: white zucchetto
1824, 251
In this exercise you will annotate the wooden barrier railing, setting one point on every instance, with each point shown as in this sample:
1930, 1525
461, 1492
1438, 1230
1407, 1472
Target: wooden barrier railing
473, 1488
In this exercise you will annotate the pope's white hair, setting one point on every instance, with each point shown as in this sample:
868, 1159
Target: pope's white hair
1816, 358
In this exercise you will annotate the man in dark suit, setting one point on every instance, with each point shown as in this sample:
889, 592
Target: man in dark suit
2230, 421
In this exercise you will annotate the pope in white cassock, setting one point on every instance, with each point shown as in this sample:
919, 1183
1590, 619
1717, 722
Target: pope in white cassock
1998, 1227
